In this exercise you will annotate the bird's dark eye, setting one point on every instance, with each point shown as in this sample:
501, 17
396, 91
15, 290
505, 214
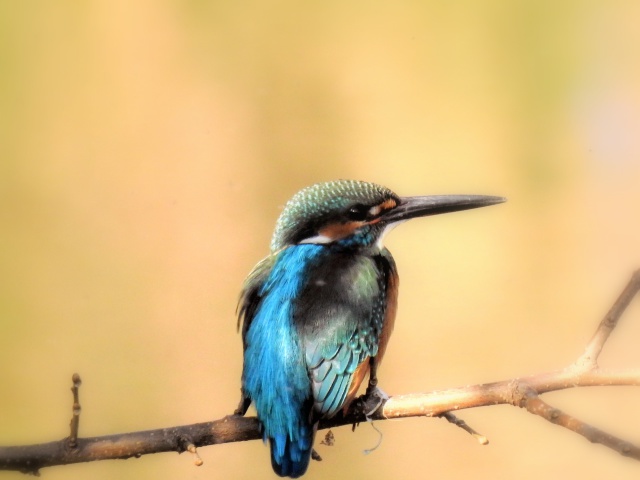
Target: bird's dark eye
358, 212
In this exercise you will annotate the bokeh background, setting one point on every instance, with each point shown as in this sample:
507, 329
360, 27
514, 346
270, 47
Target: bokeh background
147, 148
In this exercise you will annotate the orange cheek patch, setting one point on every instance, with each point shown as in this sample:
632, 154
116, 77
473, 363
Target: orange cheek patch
337, 231
388, 204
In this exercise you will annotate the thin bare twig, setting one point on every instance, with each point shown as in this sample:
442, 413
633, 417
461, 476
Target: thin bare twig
458, 422
75, 419
534, 404
589, 359
191, 448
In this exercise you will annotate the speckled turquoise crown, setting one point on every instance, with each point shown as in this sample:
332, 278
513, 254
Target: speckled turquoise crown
314, 206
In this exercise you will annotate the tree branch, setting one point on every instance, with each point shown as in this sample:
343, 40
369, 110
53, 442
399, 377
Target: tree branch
522, 392
589, 358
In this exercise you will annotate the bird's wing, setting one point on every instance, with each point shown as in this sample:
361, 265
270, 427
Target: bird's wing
332, 365
341, 329
250, 296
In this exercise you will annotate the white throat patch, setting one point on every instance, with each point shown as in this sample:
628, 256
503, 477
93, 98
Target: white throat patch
386, 230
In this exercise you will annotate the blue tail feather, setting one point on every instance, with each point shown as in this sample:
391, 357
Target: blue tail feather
290, 456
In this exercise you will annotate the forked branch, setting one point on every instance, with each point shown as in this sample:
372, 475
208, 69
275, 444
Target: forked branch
521, 392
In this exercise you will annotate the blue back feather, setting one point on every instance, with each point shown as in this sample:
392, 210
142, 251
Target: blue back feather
275, 376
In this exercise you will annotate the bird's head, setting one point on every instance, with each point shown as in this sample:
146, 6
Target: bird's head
354, 214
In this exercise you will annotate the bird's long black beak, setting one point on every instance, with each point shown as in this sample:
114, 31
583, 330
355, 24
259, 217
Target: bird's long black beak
412, 207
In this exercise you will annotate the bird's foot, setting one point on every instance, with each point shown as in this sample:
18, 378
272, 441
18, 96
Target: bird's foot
370, 403
372, 400
243, 406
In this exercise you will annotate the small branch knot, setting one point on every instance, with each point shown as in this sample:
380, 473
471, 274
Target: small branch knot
626, 448
610, 320
554, 415
519, 393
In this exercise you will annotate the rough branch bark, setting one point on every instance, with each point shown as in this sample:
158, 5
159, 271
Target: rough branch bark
521, 392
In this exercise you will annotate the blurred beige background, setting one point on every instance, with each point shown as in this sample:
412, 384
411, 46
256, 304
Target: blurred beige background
146, 149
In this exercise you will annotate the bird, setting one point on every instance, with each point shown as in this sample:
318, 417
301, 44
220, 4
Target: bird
316, 313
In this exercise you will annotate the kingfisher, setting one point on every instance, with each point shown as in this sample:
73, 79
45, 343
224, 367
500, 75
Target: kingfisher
316, 314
